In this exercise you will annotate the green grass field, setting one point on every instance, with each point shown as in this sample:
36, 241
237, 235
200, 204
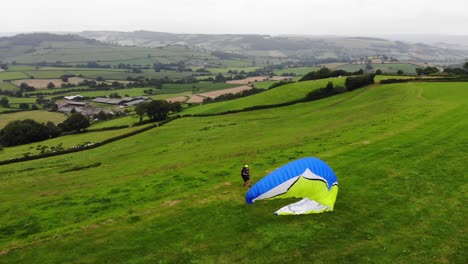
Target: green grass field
121, 121
285, 93
16, 101
45, 74
168, 90
7, 86
297, 71
40, 116
67, 141
174, 195
80, 53
6, 75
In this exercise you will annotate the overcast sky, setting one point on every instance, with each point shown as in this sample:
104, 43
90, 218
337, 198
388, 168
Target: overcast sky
306, 17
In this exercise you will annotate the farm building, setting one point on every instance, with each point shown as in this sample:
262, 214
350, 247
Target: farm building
69, 109
73, 97
100, 100
133, 103
126, 101
74, 103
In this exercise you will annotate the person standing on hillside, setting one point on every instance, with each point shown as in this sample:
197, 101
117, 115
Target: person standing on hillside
245, 173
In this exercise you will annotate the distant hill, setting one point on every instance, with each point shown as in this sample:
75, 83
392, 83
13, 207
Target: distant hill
35, 39
322, 47
147, 48
37, 45
68, 49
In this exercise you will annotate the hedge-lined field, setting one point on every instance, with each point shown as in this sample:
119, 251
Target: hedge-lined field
174, 195
282, 94
40, 116
388, 68
67, 141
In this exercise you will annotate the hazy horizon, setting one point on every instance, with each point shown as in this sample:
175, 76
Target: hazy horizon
273, 17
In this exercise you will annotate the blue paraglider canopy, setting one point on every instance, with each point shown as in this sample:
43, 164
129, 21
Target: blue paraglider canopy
309, 178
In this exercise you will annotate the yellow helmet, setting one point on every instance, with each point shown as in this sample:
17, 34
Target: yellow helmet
246, 166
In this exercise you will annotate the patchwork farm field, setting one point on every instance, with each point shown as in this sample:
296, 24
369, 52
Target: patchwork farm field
39, 116
42, 83
173, 194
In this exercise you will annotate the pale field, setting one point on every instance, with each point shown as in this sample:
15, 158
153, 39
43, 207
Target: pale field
234, 90
195, 99
198, 98
249, 80
42, 83
179, 99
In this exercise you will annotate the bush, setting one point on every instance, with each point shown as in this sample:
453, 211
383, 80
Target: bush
26, 131
324, 92
324, 73
75, 122
280, 83
355, 82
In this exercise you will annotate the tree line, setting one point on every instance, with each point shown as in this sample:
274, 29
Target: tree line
27, 131
157, 110
325, 73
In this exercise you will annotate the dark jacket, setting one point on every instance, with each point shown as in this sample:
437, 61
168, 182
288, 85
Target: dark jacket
245, 172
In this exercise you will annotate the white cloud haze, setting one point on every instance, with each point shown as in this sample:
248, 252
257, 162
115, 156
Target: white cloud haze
312, 17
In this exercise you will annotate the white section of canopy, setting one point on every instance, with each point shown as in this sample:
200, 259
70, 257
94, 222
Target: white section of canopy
304, 206
308, 174
282, 188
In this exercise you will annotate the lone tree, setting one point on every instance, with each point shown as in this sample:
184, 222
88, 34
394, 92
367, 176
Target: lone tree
157, 110
76, 122
4, 102
50, 85
140, 110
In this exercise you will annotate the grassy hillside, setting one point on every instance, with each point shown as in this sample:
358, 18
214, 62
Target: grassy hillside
279, 47
173, 194
67, 141
285, 93
40, 116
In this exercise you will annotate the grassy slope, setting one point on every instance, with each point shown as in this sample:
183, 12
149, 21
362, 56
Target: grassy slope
40, 116
67, 141
278, 95
173, 194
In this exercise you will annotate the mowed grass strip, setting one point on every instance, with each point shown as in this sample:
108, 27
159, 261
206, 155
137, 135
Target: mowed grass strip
174, 194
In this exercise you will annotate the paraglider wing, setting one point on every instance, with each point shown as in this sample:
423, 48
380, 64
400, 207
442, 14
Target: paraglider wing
308, 178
